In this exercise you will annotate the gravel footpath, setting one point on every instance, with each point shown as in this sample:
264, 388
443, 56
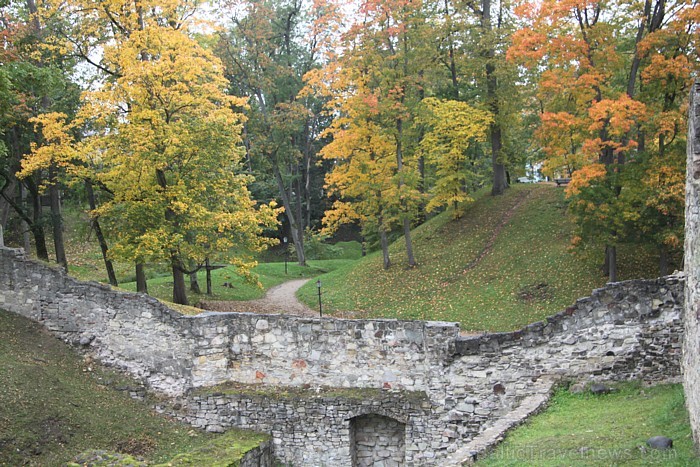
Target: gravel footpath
279, 299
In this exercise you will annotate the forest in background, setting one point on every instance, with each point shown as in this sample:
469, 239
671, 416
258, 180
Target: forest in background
197, 133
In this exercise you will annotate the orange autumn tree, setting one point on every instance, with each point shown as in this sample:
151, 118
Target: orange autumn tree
590, 56
376, 88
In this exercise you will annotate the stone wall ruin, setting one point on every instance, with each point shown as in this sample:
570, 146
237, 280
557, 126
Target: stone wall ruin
312, 382
691, 346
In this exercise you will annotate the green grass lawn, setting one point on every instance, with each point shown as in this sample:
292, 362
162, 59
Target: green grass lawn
529, 274
86, 263
54, 405
589, 430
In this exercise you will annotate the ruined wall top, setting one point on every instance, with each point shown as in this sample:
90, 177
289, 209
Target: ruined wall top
174, 352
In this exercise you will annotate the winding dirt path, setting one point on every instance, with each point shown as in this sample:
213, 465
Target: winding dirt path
279, 299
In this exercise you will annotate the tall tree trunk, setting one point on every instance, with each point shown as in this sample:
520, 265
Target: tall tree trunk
641, 140
28, 187
208, 267
299, 203
5, 207
194, 283
409, 242
307, 191
57, 219
291, 217
37, 226
141, 282
606, 261
611, 251
500, 182
100, 235
448, 15
179, 288
34, 223
384, 242
406, 220
26, 237
299, 248
246, 145
607, 157
40, 242
194, 280
22, 208
308, 147
663, 260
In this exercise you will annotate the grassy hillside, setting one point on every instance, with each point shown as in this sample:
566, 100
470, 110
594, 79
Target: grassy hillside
586, 430
54, 405
506, 263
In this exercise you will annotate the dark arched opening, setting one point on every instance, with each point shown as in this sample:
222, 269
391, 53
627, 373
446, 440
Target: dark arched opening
377, 440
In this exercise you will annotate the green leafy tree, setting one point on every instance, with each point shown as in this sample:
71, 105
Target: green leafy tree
267, 51
38, 81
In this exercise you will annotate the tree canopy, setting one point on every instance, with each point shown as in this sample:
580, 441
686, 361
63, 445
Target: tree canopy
183, 127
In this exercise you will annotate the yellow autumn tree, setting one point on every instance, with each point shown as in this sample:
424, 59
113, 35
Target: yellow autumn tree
57, 148
172, 147
452, 127
362, 177
161, 137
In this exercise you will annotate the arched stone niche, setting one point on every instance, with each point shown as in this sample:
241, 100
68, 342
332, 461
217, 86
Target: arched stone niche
377, 440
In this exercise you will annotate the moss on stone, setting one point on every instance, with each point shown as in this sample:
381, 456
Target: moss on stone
225, 450
287, 392
100, 458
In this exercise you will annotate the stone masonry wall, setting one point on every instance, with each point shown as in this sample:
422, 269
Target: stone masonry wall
173, 352
625, 330
287, 350
309, 427
629, 330
691, 346
131, 331
260, 456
